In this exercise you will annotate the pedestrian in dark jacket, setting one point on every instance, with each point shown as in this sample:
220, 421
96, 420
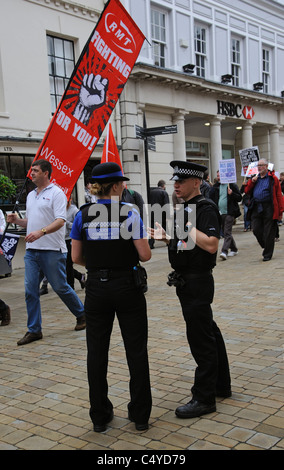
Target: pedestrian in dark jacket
159, 197
266, 207
227, 197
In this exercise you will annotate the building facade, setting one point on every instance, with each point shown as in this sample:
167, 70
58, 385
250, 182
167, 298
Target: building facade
213, 68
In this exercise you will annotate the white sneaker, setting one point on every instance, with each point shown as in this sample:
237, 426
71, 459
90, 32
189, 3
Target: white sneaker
223, 256
233, 253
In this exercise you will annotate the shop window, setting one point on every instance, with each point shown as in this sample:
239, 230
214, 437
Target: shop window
197, 152
16, 168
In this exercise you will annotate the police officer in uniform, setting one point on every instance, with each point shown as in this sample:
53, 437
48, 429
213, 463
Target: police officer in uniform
108, 237
192, 254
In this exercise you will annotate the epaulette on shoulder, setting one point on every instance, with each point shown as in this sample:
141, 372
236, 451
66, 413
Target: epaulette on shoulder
86, 205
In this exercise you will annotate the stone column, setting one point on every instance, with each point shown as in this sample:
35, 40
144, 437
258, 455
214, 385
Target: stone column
216, 145
274, 147
179, 138
247, 135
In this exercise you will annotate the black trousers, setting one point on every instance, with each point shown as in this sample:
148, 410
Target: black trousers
264, 227
103, 300
205, 339
227, 227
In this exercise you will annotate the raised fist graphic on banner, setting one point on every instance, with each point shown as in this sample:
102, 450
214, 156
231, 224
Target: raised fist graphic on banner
92, 96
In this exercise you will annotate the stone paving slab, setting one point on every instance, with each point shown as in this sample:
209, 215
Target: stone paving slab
44, 390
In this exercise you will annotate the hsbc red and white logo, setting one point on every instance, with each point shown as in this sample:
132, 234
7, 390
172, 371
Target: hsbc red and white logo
248, 112
234, 110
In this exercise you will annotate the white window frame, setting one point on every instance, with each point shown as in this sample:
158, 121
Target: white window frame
266, 68
200, 49
236, 58
61, 63
159, 36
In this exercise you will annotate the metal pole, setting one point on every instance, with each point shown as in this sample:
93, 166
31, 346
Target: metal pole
146, 160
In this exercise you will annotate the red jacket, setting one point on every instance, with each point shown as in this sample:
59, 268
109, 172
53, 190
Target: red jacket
278, 205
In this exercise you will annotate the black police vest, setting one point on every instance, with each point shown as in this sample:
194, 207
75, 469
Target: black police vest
106, 253
194, 260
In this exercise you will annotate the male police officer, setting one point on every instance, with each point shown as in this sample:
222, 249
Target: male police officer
193, 264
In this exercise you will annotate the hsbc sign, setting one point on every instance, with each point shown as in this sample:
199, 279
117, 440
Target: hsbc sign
234, 110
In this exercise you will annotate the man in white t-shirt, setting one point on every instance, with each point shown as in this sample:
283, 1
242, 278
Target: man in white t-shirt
45, 249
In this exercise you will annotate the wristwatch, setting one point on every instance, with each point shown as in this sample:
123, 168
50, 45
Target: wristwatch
43, 231
189, 227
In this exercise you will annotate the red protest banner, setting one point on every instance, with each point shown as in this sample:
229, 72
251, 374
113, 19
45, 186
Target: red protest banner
91, 95
110, 150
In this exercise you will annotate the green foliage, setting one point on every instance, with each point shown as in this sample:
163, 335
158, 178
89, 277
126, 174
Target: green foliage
7, 188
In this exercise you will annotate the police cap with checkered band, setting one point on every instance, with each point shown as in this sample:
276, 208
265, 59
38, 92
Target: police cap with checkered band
183, 170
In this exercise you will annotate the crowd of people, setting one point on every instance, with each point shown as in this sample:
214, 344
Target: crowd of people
108, 238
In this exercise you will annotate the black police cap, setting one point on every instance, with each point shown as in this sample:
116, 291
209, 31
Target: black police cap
183, 170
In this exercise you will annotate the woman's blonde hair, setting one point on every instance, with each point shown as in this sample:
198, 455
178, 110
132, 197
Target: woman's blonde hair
101, 189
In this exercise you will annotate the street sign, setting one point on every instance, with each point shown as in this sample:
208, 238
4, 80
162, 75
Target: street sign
140, 132
148, 135
151, 143
161, 130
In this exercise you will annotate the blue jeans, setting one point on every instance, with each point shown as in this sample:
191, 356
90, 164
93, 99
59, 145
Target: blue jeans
53, 265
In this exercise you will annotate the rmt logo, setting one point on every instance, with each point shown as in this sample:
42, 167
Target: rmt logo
121, 36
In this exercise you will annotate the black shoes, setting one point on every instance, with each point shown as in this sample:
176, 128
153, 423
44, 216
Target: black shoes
194, 409
43, 290
267, 258
29, 338
138, 426
102, 427
5, 316
81, 323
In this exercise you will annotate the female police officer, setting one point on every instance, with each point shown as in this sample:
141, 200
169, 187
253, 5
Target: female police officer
108, 238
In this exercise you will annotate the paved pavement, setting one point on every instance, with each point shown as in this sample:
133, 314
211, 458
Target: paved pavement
44, 390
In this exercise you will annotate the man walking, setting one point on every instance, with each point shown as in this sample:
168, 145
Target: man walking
159, 198
45, 249
227, 197
266, 207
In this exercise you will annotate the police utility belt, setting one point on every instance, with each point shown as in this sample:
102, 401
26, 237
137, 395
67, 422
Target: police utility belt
137, 273
179, 279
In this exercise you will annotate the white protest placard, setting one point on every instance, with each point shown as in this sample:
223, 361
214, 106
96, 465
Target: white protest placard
227, 171
252, 169
248, 156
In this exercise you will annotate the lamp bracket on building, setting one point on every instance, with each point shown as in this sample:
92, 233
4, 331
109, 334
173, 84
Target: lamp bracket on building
258, 86
188, 68
227, 78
